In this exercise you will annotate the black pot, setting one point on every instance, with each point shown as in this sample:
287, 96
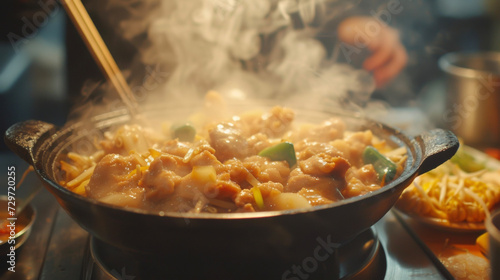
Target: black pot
243, 240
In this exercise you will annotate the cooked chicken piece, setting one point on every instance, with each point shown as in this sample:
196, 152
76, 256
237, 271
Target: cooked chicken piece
327, 131
314, 196
238, 172
258, 142
160, 178
323, 186
128, 138
353, 145
272, 124
228, 142
111, 183
360, 181
270, 188
323, 164
111, 176
244, 197
277, 121
171, 163
223, 188
266, 170
174, 147
306, 149
205, 158
133, 198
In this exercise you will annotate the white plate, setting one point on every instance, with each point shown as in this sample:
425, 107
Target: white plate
490, 163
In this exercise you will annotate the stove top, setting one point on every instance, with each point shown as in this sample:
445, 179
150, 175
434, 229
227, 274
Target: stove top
361, 258
58, 249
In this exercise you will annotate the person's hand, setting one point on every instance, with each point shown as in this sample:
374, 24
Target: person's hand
388, 56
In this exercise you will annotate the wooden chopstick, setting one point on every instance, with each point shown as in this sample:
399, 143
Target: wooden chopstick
85, 26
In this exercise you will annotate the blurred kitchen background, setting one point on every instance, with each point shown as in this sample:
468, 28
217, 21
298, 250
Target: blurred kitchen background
38, 81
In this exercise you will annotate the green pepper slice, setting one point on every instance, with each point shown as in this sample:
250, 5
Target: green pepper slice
383, 166
281, 151
184, 132
467, 162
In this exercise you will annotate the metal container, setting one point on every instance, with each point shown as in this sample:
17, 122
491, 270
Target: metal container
280, 238
473, 97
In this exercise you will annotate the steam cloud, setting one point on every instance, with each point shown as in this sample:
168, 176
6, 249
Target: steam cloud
249, 46
240, 48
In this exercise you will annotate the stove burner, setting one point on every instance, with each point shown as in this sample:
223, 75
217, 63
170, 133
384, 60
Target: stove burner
361, 258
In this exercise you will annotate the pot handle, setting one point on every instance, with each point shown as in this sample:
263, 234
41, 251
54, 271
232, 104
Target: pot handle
438, 146
24, 137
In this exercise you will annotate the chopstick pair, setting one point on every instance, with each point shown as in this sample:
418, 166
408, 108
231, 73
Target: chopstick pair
89, 33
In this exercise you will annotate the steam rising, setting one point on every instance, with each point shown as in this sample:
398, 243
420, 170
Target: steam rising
240, 48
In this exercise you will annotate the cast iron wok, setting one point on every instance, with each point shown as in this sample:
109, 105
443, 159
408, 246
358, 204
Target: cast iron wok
284, 240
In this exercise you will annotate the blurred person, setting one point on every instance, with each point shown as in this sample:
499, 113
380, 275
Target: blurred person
388, 55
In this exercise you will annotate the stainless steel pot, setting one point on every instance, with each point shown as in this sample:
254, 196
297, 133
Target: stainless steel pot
473, 97
249, 240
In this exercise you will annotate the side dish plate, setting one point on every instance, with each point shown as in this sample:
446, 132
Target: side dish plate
444, 224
